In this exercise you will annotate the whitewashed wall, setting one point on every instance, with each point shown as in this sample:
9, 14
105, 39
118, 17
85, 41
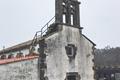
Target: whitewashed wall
24, 51
21, 70
24, 70
58, 61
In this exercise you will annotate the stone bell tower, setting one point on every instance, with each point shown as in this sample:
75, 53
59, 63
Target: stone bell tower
67, 12
65, 53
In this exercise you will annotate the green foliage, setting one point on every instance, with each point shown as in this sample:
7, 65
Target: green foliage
107, 56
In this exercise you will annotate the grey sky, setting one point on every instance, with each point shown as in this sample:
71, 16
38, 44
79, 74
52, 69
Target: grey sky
20, 19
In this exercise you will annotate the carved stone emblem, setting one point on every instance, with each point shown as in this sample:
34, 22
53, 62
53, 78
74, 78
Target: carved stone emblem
71, 51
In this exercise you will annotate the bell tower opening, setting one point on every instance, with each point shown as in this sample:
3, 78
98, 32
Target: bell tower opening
67, 12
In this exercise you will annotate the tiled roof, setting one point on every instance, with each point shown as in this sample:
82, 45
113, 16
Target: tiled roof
17, 47
7, 61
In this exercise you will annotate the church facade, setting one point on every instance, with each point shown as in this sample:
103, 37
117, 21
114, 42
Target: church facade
61, 52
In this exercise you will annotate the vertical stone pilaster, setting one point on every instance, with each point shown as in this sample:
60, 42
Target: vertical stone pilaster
42, 61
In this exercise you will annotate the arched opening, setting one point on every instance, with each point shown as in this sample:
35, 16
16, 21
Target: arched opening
20, 54
10, 56
64, 18
71, 19
63, 3
3, 57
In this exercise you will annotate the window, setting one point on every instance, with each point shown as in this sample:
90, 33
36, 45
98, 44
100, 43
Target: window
72, 76
10, 56
71, 50
19, 55
3, 57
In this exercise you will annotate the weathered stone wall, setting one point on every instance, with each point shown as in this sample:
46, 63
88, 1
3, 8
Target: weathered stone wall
58, 63
23, 70
85, 63
24, 67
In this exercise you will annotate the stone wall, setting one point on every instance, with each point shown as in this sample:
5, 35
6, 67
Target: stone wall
67, 51
58, 62
21, 66
23, 70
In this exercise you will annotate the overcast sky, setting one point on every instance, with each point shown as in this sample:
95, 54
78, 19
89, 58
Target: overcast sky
20, 19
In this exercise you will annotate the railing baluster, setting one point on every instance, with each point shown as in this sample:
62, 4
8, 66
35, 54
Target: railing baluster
42, 31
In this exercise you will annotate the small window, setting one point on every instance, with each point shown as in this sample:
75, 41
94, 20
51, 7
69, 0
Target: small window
3, 57
19, 55
72, 76
10, 56
70, 51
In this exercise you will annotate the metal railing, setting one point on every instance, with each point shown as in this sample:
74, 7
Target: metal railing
44, 29
42, 32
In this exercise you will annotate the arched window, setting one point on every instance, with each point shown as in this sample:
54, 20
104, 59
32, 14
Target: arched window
71, 19
72, 76
64, 12
10, 56
72, 14
64, 18
3, 57
20, 54
63, 3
